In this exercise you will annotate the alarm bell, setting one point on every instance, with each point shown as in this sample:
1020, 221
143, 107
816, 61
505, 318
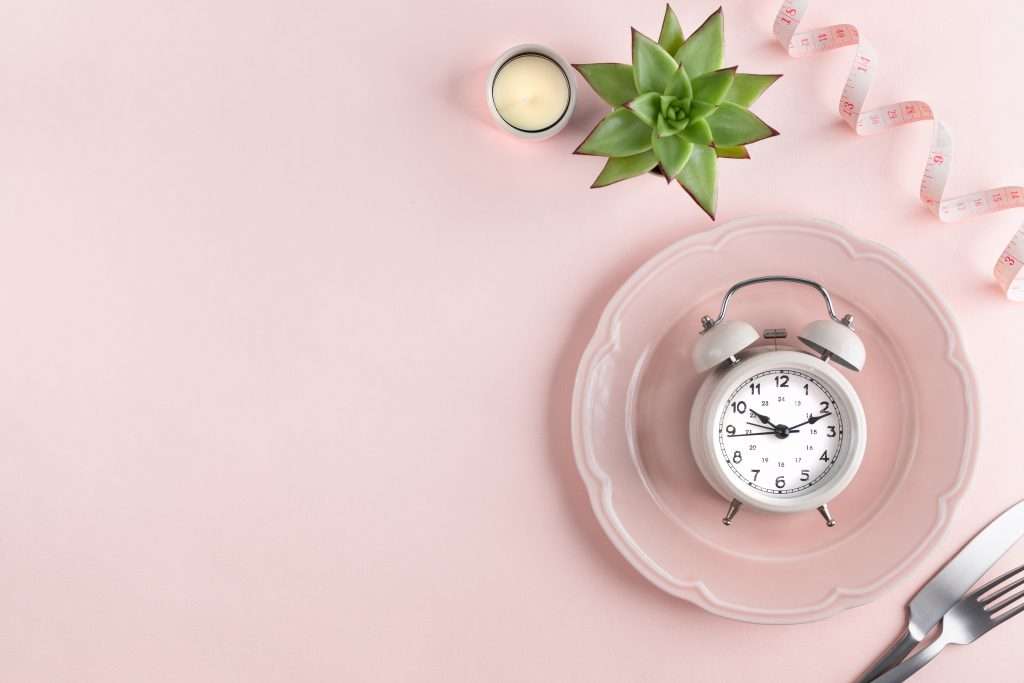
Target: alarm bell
721, 342
835, 341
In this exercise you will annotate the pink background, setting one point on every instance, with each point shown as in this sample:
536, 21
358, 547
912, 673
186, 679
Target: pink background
290, 332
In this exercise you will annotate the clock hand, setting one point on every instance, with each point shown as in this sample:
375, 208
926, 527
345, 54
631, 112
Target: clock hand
811, 419
763, 418
761, 433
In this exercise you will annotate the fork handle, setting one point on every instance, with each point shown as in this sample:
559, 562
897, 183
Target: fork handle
896, 653
914, 664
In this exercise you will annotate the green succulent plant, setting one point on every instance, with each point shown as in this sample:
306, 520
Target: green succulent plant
675, 109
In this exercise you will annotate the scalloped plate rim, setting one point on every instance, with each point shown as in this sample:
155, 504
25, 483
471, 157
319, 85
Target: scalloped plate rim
599, 485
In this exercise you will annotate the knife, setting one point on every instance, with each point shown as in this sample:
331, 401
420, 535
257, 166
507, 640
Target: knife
939, 595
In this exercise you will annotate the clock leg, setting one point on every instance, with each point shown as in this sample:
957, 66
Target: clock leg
734, 507
829, 520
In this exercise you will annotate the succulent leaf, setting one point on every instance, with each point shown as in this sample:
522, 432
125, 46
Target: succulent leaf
746, 88
704, 49
698, 177
712, 86
698, 132
733, 125
612, 82
672, 152
732, 152
672, 108
647, 107
652, 66
679, 85
701, 110
671, 36
622, 168
619, 134
665, 128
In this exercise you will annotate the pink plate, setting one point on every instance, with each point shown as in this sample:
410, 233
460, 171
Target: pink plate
632, 402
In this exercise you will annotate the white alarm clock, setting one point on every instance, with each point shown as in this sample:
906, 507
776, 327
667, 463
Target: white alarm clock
777, 428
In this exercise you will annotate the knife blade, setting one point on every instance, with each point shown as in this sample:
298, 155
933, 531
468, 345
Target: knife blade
938, 596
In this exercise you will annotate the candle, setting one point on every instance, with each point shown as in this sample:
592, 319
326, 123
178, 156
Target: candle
531, 92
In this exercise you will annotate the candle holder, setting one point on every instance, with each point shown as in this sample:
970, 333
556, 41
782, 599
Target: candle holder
550, 129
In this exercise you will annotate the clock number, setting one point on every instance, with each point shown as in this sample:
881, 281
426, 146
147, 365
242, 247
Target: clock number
756, 472
730, 430
739, 407
782, 381
805, 475
755, 389
831, 431
824, 456
780, 482
806, 390
737, 457
824, 406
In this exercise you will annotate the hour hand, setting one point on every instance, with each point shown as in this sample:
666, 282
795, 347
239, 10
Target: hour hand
763, 418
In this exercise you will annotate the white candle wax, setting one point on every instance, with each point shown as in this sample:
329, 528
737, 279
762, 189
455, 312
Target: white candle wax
531, 92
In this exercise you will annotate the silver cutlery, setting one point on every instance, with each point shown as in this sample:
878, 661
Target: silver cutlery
975, 615
946, 588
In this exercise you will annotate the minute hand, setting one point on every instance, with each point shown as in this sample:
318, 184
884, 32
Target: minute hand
810, 420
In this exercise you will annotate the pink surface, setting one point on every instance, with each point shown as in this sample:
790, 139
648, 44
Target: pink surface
291, 331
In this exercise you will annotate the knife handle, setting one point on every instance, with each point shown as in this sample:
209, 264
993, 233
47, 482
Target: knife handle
896, 653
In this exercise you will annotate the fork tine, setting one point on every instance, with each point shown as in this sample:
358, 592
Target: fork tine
1003, 604
1009, 615
1001, 592
995, 582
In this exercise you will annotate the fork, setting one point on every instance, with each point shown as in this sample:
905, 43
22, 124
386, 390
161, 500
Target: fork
975, 615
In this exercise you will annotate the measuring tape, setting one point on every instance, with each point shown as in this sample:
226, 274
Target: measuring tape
1008, 269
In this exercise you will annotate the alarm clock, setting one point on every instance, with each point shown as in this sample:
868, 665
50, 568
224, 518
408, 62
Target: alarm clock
778, 428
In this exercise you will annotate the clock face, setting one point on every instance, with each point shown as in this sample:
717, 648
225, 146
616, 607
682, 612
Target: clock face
781, 432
